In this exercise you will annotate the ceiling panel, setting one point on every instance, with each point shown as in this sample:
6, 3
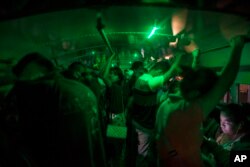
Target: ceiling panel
69, 32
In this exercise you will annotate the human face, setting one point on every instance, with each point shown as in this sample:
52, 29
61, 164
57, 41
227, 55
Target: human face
227, 125
113, 77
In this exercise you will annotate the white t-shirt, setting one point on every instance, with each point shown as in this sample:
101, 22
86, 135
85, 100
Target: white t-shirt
147, 82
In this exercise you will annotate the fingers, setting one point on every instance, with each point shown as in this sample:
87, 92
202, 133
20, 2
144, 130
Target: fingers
238, 40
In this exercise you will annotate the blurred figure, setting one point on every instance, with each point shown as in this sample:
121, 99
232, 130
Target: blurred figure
79, 72
234, 135
57, 118
90, 78
115, 101
142, 109
114, 79
32, 66
74, 71
128, 74
179, 118
234, 127
138, 69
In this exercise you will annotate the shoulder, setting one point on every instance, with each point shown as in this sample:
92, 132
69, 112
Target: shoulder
145, 77
243, 143
168, 106
74, 95
74, 88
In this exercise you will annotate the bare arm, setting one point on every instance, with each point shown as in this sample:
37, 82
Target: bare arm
158, 81
107, 68
196, 56
228, 75
174, 68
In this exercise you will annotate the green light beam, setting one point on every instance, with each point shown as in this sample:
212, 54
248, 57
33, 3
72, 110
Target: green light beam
152, 32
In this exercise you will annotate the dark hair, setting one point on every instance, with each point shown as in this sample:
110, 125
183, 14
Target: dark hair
246, 108
234, 112
202, 80
75, 66
162, 65
215, 113
137, 65
33, 57
118, 71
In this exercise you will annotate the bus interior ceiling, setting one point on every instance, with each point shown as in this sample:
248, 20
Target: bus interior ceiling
68, 32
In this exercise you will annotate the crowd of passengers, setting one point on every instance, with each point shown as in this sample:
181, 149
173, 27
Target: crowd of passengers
171, 114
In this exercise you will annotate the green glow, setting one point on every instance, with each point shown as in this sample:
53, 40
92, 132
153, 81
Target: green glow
152, 32
135, 55
93, 52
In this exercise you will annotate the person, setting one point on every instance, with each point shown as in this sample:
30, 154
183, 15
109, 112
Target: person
31, 67
142, 111
179, 118
115, 102
83, 74
234, 126
57, 118
234, 134
136, 70
74, 71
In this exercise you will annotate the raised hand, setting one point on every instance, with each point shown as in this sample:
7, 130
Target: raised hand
238, 40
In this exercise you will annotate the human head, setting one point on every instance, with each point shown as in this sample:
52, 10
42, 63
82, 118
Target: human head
75, 70
138, 68
116, 75
128, 73
197, 82
32, 65
233, 119
159, 68
137, 65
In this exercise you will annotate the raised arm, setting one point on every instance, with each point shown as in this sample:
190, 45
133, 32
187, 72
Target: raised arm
159, 81
107, 68
196, 56
228, 75
174, 68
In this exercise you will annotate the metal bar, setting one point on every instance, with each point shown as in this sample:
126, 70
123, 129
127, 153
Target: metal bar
214, 49
104, 37
243, 68
100, 28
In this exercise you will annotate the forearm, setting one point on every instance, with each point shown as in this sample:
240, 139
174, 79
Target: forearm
107, 69
108, 66
196, 56
230, 71
169, 73
173, 69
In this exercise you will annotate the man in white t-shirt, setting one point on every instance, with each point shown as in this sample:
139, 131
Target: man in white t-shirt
144, 104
